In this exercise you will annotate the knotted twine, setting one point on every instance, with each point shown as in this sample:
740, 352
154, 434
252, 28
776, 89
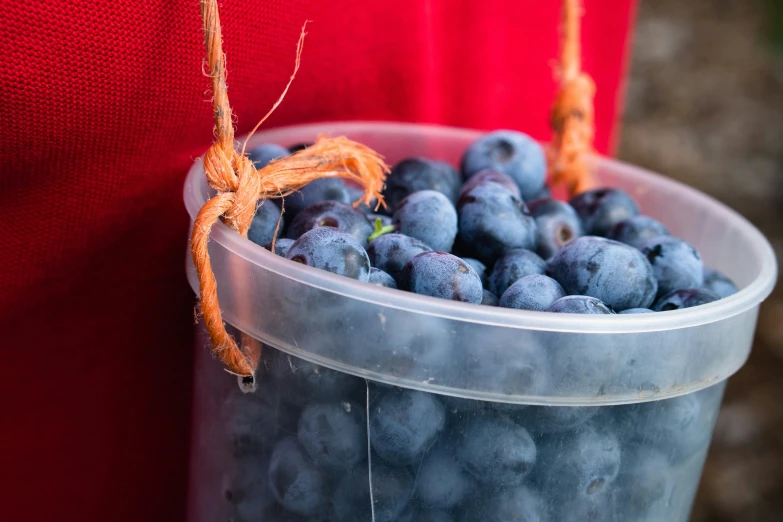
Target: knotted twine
572, 114
240, 186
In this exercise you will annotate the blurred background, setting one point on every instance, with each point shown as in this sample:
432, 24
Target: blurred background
705, 106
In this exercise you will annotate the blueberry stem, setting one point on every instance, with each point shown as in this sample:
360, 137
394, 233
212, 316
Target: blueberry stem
380, 230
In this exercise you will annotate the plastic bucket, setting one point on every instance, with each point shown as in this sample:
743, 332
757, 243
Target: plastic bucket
543, 417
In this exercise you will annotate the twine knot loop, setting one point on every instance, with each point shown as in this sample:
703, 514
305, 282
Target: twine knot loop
229, 172
239, 187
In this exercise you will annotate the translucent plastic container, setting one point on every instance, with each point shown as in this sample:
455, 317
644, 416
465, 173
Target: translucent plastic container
538, 416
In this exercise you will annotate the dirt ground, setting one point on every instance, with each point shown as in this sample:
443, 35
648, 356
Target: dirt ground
705, 106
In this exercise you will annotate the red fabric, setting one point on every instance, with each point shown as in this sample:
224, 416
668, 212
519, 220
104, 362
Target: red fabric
105, 108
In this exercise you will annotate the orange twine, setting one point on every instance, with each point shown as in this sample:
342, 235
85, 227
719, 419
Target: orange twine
572, 115
240, 186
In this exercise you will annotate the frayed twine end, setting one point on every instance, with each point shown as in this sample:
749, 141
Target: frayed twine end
239, 187
328, 157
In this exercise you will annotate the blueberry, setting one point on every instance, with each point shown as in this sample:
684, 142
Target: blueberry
636, 311
533, 292
617, 274
282, 245
493, 221
579, 304
264, 224
317, 191
441, 483
419, 350
512, 362
479, 267
489, 299
517, 504
442, 275
296, 483
296, 147
334, 434
391, 488
263, 154
602, 209
557, 225
495, 450
679, 427
509, 152
250, 423
555, 419
676, 264
428, 216
719, 283
645, 485
635, 230
302, 381
424, 515
513, 266
415, 174
490, 176
248, 490
685, 298
380, 278
332, 214
404, 424
391, 252
600, 369
584, 463
332, 250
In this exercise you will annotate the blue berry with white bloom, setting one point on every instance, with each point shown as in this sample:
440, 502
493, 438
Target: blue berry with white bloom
513, 266
332, 214
428, 216
512, 153
442, 275
719, 283
390, 252
534, 292
490, 176
617, 274
404, 424
264, 225
333, 250
557, 224
601, 209
579, 304
380, 278
415, 174
676, 263
493, 221
636, 230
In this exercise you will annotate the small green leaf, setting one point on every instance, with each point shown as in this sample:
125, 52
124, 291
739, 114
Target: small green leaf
380, 230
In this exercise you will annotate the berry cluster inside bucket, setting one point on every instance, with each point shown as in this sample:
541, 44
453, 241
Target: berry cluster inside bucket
317, 444
374, 403
490, 234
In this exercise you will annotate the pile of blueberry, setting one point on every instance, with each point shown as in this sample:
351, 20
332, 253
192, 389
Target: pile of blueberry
491, 234
313, 443
317, 445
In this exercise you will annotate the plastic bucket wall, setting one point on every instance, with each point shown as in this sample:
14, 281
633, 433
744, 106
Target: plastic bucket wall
480, 353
